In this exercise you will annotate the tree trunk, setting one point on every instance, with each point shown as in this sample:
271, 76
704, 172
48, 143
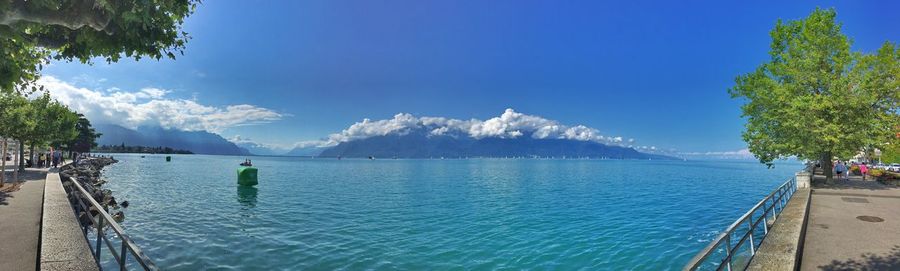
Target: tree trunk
21, 159
33, 157
18, 162
827, 168
3, 164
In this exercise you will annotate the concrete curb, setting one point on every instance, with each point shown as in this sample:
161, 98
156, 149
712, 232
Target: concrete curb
782, 249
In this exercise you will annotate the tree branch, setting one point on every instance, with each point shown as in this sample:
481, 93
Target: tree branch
74, 15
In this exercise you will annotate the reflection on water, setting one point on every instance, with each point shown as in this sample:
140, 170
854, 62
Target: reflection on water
246, 195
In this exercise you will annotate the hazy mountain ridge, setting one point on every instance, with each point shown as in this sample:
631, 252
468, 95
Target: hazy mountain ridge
306, 151
199, 142
408, 144
418, 144
258, 149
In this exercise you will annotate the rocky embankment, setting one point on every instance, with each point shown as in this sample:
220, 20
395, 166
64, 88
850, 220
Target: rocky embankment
87, 173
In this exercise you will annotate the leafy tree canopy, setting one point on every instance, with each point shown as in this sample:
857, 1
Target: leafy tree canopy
815, 99
87, 136
35, 31
55, 122
16, 120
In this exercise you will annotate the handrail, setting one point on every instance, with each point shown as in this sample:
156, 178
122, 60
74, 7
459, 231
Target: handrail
778, 198
104, 219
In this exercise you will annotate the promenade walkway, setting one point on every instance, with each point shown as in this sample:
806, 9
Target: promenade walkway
853, 225
20, 219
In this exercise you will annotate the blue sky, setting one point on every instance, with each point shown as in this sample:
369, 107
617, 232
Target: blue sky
657, 72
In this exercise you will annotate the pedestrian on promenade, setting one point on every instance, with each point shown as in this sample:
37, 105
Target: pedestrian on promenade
41, 160
863, 169
57, 157
840, 168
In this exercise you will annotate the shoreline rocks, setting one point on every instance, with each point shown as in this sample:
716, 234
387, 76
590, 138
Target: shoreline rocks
87, 173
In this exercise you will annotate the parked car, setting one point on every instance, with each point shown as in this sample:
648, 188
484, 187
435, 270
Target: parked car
895, 167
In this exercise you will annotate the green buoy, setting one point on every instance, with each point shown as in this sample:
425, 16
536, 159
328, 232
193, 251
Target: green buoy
168, 158
246, 175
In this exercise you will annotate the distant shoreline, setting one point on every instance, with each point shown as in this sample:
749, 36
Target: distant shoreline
469, 158
139, 149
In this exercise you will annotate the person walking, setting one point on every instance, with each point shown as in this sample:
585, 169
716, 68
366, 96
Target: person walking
57, 157
864, 170
840, 168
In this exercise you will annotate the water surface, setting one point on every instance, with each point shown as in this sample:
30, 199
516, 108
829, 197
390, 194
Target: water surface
480, 214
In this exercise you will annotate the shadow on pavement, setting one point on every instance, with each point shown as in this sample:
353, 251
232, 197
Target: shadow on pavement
869, 261
4, 196
9, 187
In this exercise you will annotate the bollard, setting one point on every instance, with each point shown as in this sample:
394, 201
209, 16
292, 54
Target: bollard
247, 176
804, 179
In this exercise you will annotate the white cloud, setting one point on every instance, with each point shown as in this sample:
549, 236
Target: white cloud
510, 124
246, 141
239, 139
440, 131
311, 144
400, 124
149, 106
152, 93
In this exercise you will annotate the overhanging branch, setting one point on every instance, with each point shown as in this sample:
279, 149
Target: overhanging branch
74, 15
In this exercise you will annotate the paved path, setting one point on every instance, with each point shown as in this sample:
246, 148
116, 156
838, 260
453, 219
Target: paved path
20, 221
63, 245
837, 239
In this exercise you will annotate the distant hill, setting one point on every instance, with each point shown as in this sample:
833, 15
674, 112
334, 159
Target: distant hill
139, 149
305, 151
258, 149
199, 142
421, 145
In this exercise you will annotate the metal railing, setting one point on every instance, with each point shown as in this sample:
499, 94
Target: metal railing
728, 245
85, 203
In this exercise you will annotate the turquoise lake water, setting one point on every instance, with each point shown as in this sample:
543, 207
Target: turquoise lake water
476, 214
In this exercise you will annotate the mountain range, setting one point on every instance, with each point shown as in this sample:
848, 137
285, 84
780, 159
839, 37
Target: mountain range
411, 144
259, 149
423, 145
199, 142
306, 151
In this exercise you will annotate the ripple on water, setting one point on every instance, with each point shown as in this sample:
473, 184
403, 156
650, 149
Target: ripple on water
433, 214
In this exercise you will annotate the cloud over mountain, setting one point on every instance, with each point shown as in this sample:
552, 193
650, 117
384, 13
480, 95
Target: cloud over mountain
509, 125
156, 107
150, 106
